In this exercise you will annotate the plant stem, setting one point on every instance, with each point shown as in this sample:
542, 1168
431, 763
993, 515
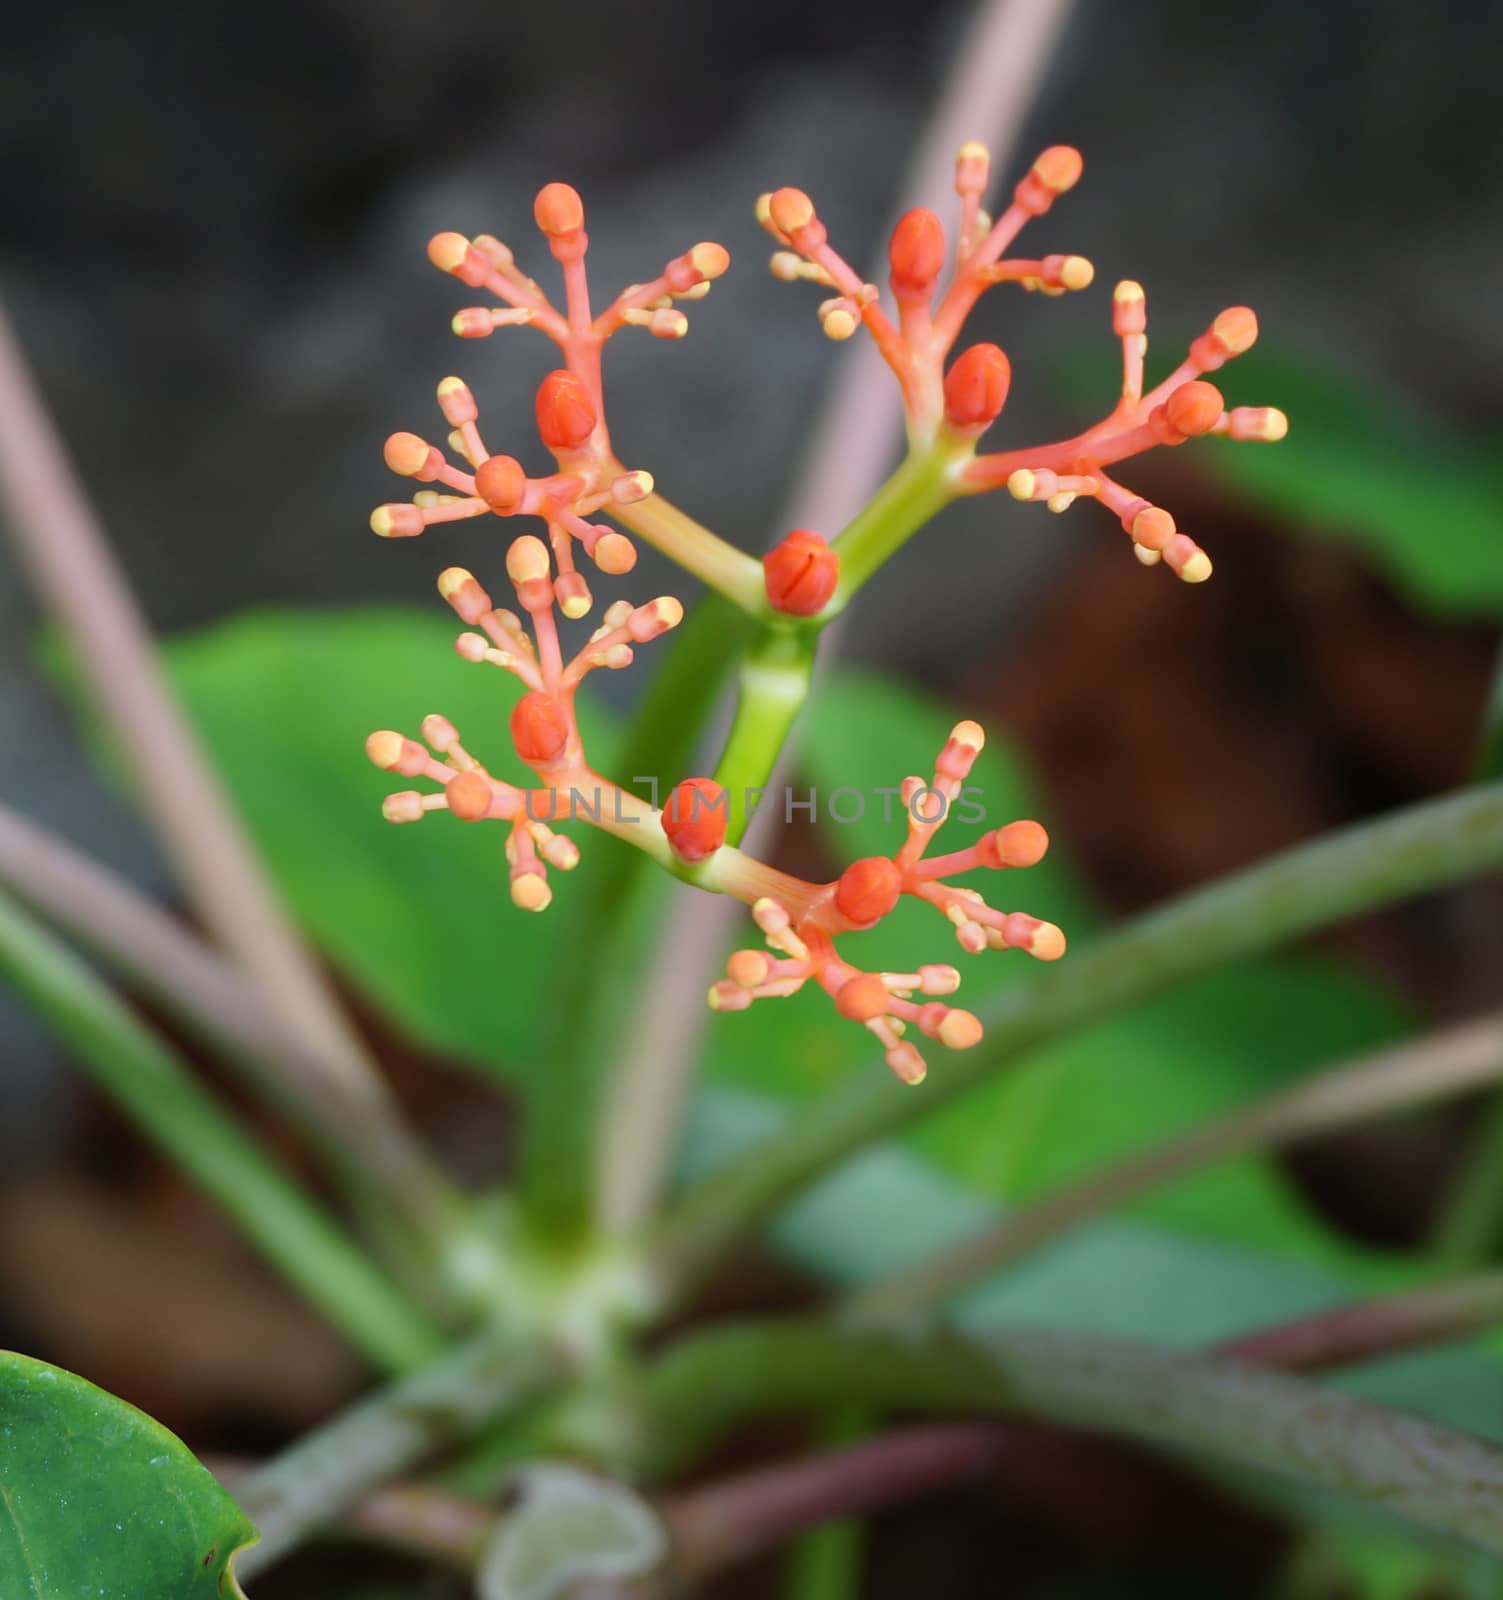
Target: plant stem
912, 496
704, 555
331, 1469
1451, 1062
356, 1125
609, 939
157, 1092
1409, 852
725, 1523
772, 685
74, 570
1470, 1226
1415, 1319
1439, 1479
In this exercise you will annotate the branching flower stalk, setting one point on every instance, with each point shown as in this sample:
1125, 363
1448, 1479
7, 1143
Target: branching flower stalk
801, 584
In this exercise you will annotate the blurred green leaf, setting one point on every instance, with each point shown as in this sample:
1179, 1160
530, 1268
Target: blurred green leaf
1363, 463
100, 1501
419, 917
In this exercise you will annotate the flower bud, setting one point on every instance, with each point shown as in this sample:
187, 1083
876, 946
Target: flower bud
976, 387
1193, 408
801, 574
565, 412
558, 209
916, 254
501, 483
695, 818
868, 890
539, 729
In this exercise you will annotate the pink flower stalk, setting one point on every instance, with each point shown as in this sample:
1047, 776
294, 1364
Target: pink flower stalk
965, 402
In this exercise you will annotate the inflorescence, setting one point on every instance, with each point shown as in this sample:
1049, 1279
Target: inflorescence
798, 583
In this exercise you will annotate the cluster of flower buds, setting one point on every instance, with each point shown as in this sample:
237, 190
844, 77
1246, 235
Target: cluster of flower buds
569, 409
801, 923
544, 727
953, 408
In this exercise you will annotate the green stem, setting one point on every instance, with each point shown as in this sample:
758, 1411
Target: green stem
919, 489
1470, 1226
1455, 1061
609, 937
1374, 863
773, 682
158, 1093
331, 1469
1439, 1479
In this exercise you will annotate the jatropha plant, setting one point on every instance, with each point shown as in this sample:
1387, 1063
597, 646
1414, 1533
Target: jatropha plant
802, 583
546, 1329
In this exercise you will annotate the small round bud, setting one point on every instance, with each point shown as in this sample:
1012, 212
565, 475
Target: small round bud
916, 254
397, 521
1019, 844
565, 411
453, 253
710, 260
527, 559
973, 166
695, 818
614, 553
408, 455
800, 574
1236, 329
976, 387
573, 595
456, 402
469, 796
749, 968
790, 210
530, 892
501, 482
959, 1030
868, 890
384, 749
404, 807
1153, 528
1193, 408
558, 209
862, 998
462, 591
539, 729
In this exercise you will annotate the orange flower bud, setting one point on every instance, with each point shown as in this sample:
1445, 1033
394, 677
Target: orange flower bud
695, 818
976, 387
801, 574
558, 209
916, 254
1019, 844
501, 483
861, 998
1193, 408
565, 412
868, 890
539, 729
469, 796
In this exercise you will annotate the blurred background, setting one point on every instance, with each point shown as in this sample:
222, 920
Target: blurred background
212, 231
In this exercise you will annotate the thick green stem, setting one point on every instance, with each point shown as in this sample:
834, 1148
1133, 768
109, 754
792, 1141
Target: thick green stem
1436, 1478
609, 934
327, 1472
919, 488
1375, 863
158, 1093
773, 681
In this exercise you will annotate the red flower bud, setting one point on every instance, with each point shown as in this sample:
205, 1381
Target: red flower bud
917, 254
539, 729
801, 574
565, 411
558, 209
501, 483
1193, 408
695, 818
976, 387
868, 890
861, 998
469, 796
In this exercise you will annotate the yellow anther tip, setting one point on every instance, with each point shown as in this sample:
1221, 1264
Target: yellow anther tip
1077, 273
1147, 557
1275, 425
839, 325
452, 579
971, 733
960, 1030
1021, 484
527, 559
384, 749
1127, 291
670, 610
381, 522
530, 892
1197, 569
973, 150
1048, 943
575, 607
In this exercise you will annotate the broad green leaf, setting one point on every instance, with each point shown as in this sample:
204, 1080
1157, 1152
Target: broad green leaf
1362, 463
418, 917
98, 1502
569, 1527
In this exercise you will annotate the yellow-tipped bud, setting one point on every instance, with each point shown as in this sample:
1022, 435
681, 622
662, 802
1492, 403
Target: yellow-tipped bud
1021, 484
527, 559
530, 892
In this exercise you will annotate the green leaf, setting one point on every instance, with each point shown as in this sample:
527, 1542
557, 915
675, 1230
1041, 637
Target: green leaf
1364, 464
418, 917
102, 1503
569, 1527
